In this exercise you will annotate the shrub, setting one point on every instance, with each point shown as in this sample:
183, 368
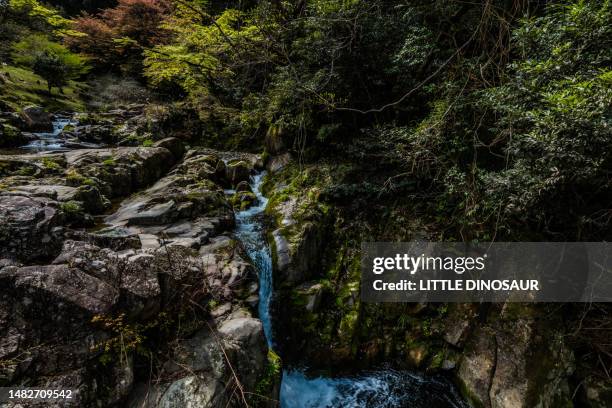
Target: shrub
52, 61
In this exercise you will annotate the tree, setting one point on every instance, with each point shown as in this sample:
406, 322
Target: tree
115, 38
52, 61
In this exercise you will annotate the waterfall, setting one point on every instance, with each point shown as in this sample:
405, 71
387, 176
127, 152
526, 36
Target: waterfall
379, 388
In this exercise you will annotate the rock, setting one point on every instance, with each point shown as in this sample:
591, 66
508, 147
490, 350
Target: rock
149, 241
247, 347
122, 170
29, 227
65, 284
36, 119
458, 322
497, 369
243, 200
477, 367
174, 145
521, 381
417, 355
98, 134
240, 340
237, 172
310, 294
243, 186
275, 143
597, 393
277, 163
55, 192
298, 261
189, 392
10, 136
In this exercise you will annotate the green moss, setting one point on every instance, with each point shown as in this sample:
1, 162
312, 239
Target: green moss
243, 200
270, 378
26, 88
74, 179
71, 207
50, 164
26, 171
147, 143
110, 162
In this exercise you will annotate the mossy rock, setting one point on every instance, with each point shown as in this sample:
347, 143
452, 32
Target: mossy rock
243, 200
10, 136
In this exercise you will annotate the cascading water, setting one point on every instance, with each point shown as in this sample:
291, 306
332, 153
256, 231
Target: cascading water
250, 230
46, 141
381, 388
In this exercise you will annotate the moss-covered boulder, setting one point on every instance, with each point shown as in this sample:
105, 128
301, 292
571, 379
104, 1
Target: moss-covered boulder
242, 200
238, 171
10, 136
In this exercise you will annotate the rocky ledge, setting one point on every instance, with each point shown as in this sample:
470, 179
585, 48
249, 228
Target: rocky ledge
143, 302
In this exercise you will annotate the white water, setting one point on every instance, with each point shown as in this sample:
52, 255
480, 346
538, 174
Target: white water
50, 140
250, 230
375, 389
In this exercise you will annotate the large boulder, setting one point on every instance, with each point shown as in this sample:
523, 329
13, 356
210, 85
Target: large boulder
499, 368
206, 363
174, 145
30, 227
36, 119
65, 284
238, 171
10, 136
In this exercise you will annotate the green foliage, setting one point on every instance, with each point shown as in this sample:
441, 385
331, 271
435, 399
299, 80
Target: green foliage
52, 61
554, 115
34, 12
271, 376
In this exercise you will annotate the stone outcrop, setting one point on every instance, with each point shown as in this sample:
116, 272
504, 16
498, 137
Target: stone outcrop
163, 277
42, 193
36, 119
499, 368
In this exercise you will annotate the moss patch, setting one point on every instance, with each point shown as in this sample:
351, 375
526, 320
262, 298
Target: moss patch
23, 88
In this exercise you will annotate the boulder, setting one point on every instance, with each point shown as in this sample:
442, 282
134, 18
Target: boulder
310, 295
98, 134
65, 284
10, 136
277, 163
275, 141
174, 145
477, 367
36, 119
243, 186
243, 200
498, 369
238, 171
30, 227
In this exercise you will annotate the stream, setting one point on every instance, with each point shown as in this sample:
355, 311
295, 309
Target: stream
376, 388
50, 141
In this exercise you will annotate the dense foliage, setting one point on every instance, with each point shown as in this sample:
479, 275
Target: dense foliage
498, 109
503, 107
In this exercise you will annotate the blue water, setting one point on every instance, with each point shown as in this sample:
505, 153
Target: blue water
47, 141
250, 230
374, 389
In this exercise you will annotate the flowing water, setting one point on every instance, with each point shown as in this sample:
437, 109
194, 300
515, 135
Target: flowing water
49, 141
379, 388
250, 230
